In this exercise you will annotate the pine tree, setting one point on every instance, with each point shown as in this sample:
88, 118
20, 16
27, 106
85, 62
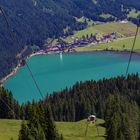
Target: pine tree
11, 113
126, 127
37, 132
118, 123
49, 127
24, 132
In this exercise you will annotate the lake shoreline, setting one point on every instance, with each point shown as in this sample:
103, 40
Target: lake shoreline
16, 69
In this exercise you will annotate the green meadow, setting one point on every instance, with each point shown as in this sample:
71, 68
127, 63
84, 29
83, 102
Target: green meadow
70, 130
120, 45
76, 130
122, 29
80, 33
9, 129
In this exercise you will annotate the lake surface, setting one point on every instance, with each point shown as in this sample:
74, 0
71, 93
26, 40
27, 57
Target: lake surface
55, 72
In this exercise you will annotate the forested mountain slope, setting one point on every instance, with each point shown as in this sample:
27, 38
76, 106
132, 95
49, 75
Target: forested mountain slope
33, 21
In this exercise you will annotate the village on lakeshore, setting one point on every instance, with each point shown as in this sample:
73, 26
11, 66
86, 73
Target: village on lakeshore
62, 46
86, 40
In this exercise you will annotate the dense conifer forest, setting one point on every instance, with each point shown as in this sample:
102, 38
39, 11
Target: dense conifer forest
33, 21
117, 100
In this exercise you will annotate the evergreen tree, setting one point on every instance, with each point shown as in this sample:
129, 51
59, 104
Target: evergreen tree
40, 125
24, 132
118, 124
50, 129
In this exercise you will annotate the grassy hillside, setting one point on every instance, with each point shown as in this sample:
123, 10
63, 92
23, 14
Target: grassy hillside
123, 29
121, 45
70, 130
9, 129
76, 130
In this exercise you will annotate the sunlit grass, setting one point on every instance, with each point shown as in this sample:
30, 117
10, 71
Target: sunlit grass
121, 45
70, 130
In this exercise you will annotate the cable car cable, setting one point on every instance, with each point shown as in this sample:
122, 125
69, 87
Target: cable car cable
12, 110
28, 67
131, 53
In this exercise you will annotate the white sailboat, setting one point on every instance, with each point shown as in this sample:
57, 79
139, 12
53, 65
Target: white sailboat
61, 56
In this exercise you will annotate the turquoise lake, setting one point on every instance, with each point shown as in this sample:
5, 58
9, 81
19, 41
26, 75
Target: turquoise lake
55, 72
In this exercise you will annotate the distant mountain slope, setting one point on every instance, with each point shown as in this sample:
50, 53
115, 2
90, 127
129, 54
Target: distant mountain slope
32, 21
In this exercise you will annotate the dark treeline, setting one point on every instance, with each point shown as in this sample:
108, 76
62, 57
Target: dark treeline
91, 97
33, 21
9, 107
79, 101
117, 100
